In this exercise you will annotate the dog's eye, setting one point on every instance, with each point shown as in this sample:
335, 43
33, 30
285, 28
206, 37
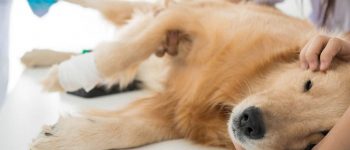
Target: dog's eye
310, 146
307, 85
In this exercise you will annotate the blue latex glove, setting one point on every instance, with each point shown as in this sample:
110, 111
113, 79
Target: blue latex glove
41, 7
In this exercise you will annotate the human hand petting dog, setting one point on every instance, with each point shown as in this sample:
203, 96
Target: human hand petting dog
320, 51
318, 54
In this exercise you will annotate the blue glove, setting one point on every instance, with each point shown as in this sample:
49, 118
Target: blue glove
41, 7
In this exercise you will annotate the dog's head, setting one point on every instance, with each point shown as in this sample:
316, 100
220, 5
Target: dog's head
293, 109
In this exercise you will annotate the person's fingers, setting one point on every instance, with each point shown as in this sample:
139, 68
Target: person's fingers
332, 48
344, 52
237, 146
314, 50
302, 58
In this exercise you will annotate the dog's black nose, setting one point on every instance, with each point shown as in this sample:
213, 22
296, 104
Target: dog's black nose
251, 123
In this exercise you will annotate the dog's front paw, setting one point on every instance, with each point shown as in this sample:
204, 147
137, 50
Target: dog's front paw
66, 134
51, 82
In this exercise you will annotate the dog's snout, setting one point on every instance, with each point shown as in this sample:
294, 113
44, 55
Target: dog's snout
251, 123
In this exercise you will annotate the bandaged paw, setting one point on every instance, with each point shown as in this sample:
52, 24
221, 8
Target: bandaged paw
79, 72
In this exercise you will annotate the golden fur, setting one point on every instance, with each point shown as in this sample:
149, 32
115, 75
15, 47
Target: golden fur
231, 56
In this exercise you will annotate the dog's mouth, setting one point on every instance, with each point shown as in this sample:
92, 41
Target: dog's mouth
238, 135
325, 132
311, 146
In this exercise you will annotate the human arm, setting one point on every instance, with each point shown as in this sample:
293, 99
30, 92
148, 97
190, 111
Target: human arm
338, 137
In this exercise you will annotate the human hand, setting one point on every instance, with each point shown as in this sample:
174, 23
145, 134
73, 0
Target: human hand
338, 136
319, 52
237, 146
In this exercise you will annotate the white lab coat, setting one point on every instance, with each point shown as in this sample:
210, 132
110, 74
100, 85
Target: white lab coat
4, 60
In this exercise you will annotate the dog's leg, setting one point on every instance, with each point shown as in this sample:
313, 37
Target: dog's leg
139, 124
126, 54
117, 11
118, 61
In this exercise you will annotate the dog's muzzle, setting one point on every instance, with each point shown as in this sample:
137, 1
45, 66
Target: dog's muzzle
249, 124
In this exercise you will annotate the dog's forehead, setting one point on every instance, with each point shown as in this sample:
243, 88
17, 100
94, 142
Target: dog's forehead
296, 75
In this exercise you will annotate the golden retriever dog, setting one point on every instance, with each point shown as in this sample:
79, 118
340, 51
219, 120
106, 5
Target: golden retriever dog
227, 72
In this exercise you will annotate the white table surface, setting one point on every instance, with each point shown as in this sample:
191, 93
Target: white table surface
27, 108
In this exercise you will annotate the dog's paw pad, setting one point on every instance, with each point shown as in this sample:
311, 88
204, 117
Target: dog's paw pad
171, 43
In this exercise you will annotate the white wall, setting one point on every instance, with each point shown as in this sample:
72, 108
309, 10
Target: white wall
297, 8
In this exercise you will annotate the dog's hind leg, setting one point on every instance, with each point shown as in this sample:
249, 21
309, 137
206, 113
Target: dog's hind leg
143, 122
117, 11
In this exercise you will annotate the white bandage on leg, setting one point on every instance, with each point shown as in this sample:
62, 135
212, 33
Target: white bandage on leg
79, 72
